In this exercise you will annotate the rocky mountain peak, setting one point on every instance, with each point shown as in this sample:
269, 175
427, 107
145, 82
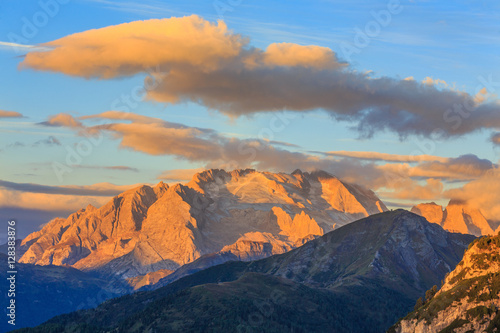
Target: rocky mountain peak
458, 216
164, 227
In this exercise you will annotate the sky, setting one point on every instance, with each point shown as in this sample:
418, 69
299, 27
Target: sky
99, 96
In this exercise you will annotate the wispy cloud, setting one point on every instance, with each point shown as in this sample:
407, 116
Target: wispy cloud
112, 167
147, 8
50, 141
101, 189
376, 156
16, 47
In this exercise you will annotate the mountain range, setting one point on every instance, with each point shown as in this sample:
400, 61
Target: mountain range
360, 277
201, 240
146, 233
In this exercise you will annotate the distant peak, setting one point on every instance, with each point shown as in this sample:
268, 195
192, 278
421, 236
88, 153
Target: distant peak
297, 172
90, 208
161, 184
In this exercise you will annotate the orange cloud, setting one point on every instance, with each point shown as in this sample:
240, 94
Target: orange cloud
408, 189
130, 48
289, 54
368, 155
48, 202
483, 193
464, 167
10, 114
179, 174
62, 119
434, 82
57, 198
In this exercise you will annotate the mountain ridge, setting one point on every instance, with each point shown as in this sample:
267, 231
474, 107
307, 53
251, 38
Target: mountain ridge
147, 229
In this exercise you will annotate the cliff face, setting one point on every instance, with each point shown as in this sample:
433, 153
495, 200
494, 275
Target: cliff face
246, 213
457, 217
469, 300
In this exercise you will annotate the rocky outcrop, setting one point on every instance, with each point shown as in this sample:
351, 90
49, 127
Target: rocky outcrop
247, 213
468, 301
148, 279
457, 217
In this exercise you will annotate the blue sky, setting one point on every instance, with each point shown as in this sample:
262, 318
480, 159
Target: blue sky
457, 42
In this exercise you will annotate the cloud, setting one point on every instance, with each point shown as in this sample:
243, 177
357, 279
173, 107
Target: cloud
62, 119
131, 48
99, 189
483, 193
393, 176
50, 141
155, 136
48, 202
495, 138
294, 55
198, 61
10, 114
113, 167
465, 167
56, 199
434, 82
375, 156
15, 45
432, 189
16, 144
179, 175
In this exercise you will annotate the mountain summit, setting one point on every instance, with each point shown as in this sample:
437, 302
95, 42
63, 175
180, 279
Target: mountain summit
456, 217
247, 213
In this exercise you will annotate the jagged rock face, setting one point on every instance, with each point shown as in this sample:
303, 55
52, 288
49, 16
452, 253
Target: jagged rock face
457, 217
247, 213
469, 300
